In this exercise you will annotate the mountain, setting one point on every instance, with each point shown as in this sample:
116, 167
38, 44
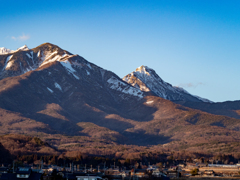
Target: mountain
51, 86
4, 50
146, 79
62, 98
227, 108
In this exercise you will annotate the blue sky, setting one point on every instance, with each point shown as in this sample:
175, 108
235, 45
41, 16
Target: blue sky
190, 43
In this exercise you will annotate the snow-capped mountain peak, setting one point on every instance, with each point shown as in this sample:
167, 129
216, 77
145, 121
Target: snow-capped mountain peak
146, 72
23, 48
78, 69
143, 70
4, 50
146, 79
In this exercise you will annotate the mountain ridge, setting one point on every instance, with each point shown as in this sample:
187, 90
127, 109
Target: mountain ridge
69, 96
146, 79
4, 50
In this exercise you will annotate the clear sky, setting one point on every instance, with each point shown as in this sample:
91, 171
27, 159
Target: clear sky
194, 44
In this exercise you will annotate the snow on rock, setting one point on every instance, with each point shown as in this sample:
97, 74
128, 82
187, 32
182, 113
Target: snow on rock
146, 79
125, 88
151, 81
69, 68
7, 63
23, 48
102, 72
58, 86
49, 57
51, 91
88, 73
65, 55
9, 58
29, 56
4, 50
46, 58
143, 70
89, 66
149, 102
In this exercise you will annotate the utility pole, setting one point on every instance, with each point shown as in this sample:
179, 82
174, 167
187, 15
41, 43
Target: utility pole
104, 168
13, 165
72, 167
134, 173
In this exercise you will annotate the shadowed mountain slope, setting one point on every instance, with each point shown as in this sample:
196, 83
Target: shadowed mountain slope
228, 108
49, 91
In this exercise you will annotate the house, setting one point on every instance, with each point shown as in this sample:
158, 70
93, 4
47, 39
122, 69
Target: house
21, 173
3, 170
139, 173
208, 173
173, 174
181, 165
89, 177
158, 173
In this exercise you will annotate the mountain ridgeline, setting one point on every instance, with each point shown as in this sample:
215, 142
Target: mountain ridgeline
146, 79
47, 91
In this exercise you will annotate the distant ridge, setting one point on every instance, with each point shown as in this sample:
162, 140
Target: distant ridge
4, 50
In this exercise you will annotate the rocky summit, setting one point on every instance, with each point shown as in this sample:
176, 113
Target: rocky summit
146, 79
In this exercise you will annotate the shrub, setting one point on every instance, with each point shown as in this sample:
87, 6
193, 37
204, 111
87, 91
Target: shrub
194, 172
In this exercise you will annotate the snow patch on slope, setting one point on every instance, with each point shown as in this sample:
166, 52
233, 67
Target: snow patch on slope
29, 56
50, 57
149, 102
122, 87
69, 68
51, 91
58, 86
7, 63
46, 58
23, 48
89, 66
88, 73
